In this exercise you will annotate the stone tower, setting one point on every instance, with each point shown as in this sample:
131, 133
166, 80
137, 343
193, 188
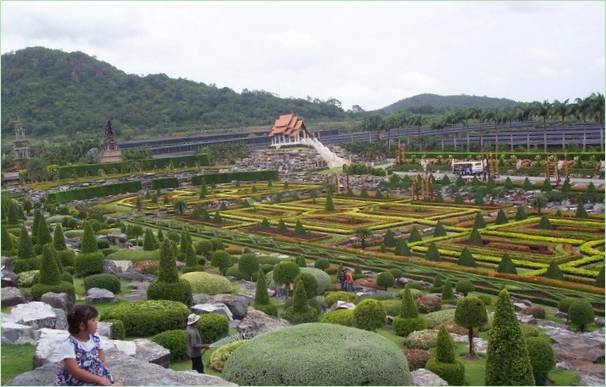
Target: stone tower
111, 152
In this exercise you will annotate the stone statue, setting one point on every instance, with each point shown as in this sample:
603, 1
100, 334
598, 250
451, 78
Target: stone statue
108, 129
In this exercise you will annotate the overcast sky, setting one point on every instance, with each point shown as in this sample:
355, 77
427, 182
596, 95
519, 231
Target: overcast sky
371, 54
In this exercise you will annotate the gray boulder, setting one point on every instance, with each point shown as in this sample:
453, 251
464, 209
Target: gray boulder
13, 333
9, 279
117, 266
100, 295
37, 315
257, 322
128, 370
424, 377
237, 304
218, 308
58, 300
146, 350
104, 328
134, 276
12, 296
342, 305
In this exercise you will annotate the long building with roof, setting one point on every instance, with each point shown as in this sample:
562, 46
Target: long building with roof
288, 130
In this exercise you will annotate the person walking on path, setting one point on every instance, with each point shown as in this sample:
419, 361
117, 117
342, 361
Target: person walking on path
194, 344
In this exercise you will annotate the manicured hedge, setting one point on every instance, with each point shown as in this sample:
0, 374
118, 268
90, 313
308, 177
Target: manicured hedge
89, 263
207, 283
212, 327
64, 287
220, 356
94, 191
216, 178
340, 317
173, 340
168, 182
103, 281
80, 170
146, 318
318, 354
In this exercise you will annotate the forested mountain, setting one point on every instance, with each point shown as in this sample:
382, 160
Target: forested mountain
54, 92
433, 103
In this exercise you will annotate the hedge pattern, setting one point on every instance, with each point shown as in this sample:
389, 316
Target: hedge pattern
95, 191
217, 178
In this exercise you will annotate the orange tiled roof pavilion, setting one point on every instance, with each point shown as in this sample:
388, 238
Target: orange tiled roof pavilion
288, 129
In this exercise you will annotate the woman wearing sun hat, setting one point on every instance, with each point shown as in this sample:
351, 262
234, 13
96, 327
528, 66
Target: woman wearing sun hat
194, 343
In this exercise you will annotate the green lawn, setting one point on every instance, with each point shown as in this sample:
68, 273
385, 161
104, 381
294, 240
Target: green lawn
185, 365
16, 359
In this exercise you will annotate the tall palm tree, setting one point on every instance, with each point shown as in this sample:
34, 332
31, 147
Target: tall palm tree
596, 106
560, 109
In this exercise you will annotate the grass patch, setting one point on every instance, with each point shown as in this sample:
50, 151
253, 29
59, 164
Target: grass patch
16, 359
134, 255
388, 334
564, 378
185, 365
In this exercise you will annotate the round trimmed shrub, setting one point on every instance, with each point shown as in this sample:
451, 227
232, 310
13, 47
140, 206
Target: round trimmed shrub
147, 318
385, 279
269, 309
299, 355
220, 356
369, 315
117, 329
212, 327
321, 277
37, 290
340, 317
392, 307
331, 297
88, 263
464, 286
173, 291
310, 284
565, 303
581, 313
267, 260
66, 257
541, 357
453, 373
248, 265
103, 281
207, 283
322, 264
25, 265
175, 341
405, 326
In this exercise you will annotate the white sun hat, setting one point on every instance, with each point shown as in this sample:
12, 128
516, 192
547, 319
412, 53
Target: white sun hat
192, 318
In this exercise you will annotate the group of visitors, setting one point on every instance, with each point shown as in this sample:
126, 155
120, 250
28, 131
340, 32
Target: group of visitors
346, 280
83, 353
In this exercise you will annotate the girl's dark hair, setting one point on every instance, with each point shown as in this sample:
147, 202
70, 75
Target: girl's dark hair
81, 313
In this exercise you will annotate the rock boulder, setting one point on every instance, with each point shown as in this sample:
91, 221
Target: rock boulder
37, 315
99, 295
257, 322
58, 300
237, 304
12, 296
424, 377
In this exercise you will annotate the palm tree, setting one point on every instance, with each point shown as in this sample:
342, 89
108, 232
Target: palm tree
363, 234
542, 110
560, 109
596, 106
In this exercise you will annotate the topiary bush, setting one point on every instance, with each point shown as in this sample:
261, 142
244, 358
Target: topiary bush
221, 354
299, 355
464, 286
103, 281
175, 341
180, 291
310, 284
392, 307
269, 308
385, 279
369, 315
340, 317
331, 297
444, 364
147, 318
66, 257
300, 311
117, 329
212, 327
580, 314
248, 265
37, 290
541, 357
89, 263
470, 314
207, 283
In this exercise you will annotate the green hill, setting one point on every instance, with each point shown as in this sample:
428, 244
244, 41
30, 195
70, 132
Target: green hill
433, 103
58, 93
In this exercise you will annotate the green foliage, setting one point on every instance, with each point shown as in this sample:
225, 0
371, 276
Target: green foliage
339, 316
88, 243
544, 223
248, 265
218, 178
432, 253
547, 187
470, 314
508, 184
103, 281
59, 239
405, 326
300, 311
479, 221
6, 240
385, 279
322, 264
299, 229
167, 182
521, 213
204, 247
507, 362
94, 191
445, 351
564, 304
26, 248
397, 273
466, 258
221, 259
207, 283
261, 296
402, 248
439, 230
541, 357
300, 349
117, 329
332, 297
437, 284
444, 363
475, 237
447, 293
501, 217
149, 241
369, 315
389, 239
580, 314
88, 263
175, 341
147, 318
409, 306
414, 235
49, 269
221, 354
268, 308
179, 290
527, 185
599, 281
300, 261
553, 271
309, 283
42, 232
581, 213
328, 204
168, 265
464, 286
506, 265
37, 290
285, 272
13, 213
212, 327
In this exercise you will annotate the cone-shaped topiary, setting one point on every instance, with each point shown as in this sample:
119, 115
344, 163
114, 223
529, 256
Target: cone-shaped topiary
599, 281
409, 320
300, 311
414, 235
281, 226
470, 314
501, 217
554, 272
299, 229
409, 306
310, 283
475, 237
527, 185
479, 221
43, 235
59, 239
439, 230
466, 259
547, 186
261, 296
389, 239
508, 184
167, 272
7, 241
432, 253
169, 286
26, 248
507, 362
581, 212
521, 213
402, 248
506, 265
13, 212
89, 241
444, 364
149, 242
436, 287
329, 205
248, 265
447, 293
544, 223
445, 180
49, 270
